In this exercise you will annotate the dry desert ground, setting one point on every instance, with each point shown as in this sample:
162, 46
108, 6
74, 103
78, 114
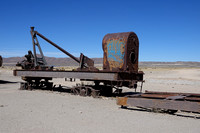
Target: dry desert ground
39, 111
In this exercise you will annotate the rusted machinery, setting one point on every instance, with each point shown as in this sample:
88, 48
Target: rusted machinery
1, 61
120, 69
120, 66
163, 101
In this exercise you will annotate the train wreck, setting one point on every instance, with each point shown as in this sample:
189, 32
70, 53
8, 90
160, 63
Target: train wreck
120, 66
120, 69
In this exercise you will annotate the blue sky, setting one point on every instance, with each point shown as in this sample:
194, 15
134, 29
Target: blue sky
168, 30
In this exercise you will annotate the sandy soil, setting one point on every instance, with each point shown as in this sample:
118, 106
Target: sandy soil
46, 111
172, 80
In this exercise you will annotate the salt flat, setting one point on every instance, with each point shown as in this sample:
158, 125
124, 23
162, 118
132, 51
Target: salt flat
46, 111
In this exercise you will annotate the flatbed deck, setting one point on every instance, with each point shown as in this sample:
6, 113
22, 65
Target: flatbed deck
84, 75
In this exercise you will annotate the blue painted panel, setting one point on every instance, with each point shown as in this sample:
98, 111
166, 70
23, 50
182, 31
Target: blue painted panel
115, 50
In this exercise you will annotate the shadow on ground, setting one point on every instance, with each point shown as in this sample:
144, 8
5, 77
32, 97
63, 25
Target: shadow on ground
178, 114
66, 89
6, 82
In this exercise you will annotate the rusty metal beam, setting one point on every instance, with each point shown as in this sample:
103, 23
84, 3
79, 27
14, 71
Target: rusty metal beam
160, 104
156, 96
55, 45
172, 93
68, 74
89, 75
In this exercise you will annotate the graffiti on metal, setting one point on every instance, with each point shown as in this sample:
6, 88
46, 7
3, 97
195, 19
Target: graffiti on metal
116, 52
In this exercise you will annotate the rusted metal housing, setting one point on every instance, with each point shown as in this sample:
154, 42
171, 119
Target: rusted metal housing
120, 52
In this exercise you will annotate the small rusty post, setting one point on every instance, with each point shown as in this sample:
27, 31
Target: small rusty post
1, 61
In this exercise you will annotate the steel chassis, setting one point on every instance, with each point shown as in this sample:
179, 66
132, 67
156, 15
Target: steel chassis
37, 74
165, 101
110, 80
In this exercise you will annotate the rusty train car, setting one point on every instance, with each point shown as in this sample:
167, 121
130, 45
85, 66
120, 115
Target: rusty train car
120, 69
120, 66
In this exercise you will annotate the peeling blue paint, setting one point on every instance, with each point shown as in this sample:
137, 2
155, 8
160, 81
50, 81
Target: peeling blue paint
115, 49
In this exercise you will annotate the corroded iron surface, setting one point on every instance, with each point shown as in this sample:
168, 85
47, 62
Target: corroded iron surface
120, 67
120, 52
166, 101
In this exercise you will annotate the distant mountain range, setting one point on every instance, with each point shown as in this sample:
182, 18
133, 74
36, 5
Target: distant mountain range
11, 61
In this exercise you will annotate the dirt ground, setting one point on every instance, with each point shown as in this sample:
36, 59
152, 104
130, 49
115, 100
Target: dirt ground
46, 111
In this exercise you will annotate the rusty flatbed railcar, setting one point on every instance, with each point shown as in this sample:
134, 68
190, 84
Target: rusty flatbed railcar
120, 64
120, 69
